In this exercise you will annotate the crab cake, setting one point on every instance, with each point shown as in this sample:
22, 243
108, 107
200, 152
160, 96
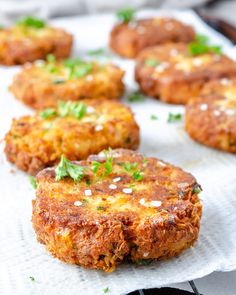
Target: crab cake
41, 85
175, 73
128, 39
116, 206
31, 39
73, 129
211, 118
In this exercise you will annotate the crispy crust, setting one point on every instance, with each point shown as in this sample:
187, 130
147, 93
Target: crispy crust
126, 227
35, 87
211, 118
34, 143
17, 48
128, 39
179, 77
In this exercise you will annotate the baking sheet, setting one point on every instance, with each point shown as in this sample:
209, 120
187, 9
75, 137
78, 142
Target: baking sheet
21, 256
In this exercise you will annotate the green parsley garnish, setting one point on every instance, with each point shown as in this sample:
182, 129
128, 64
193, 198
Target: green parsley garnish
75, 109
96, 52
201, 45
125, 15
66, 168
59, 81
153, 117
135, 97
77, 68
33, 182
106, 166
152, 62
32, 279
138, 175
101, 208
48, 113
132, 168
51, 63
144, 261
196, 189
105, 290
30, 21
174, 117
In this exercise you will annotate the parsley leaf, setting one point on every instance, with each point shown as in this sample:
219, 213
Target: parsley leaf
125, 15
32, 279
77, 68
66, 168
135, 97
48, 113
95, 166
174, 117
96, 52
144, 261
51, 63
130, 166
107, 165
153, 117
30, 21
196, 189
33, 182
152, 62
101, 208
105, 290
138, 175
201, 45
75, 109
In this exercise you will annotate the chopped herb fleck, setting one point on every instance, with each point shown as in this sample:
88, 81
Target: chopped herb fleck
138, 175
48, 113
77, 68
106, 166
95, 166
145, 162
101, 208
152, 62
59, 81
174, 117
33, 182
136, 97
30, 21
75, 109
130, 166
126, 15
201, 45
32, 279
153, 117
196, 189
66, 168
144, 261
96, 52
105, 290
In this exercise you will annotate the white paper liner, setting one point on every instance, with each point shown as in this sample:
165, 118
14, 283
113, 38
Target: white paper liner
21, 256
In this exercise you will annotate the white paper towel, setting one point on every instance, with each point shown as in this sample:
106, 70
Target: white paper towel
21, 256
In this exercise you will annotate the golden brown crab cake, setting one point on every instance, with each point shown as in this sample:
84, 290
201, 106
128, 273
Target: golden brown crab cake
73, 129
120, 206
211, 119
128, 39
31, 39
173, 74
42, 85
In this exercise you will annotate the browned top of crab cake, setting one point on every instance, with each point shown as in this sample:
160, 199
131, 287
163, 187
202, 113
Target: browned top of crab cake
73, 129
211, 118
32, 39
128, 39
123, 205
43, 84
